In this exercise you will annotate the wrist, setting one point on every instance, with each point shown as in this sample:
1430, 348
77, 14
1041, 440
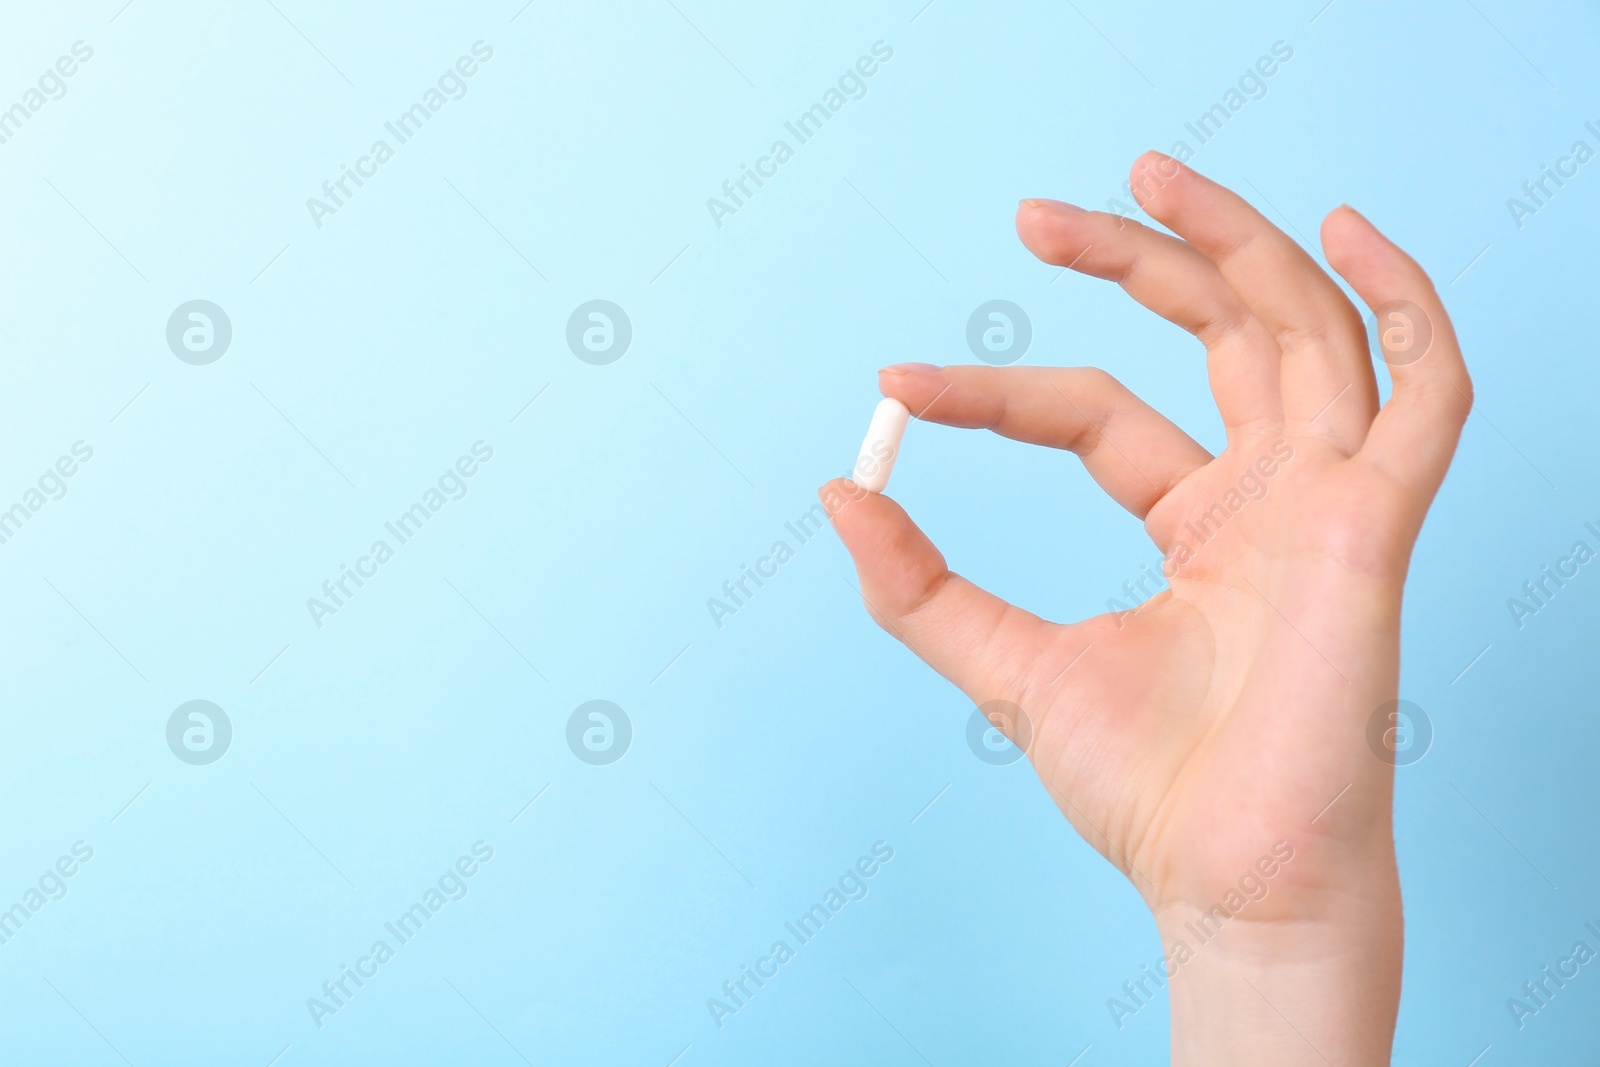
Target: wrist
1286, 991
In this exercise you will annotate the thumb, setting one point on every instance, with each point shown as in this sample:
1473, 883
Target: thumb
979, 642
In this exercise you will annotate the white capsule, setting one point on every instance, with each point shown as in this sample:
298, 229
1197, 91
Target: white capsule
882, 445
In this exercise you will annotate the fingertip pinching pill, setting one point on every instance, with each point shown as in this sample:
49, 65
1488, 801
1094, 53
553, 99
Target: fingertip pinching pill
882, 445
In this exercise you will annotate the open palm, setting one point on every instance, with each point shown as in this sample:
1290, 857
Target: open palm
1229, 713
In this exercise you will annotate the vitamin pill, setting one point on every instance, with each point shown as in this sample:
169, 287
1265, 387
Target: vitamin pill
882, 445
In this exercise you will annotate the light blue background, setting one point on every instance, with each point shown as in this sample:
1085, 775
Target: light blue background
774, 751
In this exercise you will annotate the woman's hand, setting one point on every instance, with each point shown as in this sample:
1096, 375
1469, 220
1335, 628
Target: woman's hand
1227, 717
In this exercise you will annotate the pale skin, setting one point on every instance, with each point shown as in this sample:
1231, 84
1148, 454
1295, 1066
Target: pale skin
1230, 712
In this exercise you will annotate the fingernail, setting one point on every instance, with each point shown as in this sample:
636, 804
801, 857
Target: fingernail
909, 368
1060, 205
